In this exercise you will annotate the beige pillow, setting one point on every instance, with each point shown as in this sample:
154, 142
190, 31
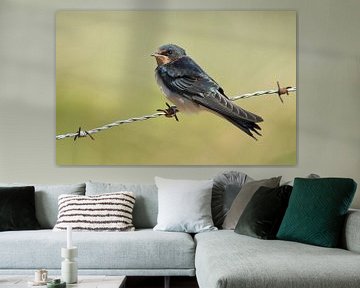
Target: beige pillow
243, 198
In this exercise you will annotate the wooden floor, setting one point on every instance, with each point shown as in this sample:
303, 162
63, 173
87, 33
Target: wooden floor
158, 282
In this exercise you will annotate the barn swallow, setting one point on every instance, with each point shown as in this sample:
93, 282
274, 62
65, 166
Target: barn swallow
191, 89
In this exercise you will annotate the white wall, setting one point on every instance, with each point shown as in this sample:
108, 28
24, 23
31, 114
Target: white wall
328, 91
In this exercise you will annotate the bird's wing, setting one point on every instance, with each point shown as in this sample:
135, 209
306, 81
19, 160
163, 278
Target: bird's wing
219, 103
186, 78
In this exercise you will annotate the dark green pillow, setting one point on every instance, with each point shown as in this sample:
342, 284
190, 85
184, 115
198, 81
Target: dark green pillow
17, 208
263, 214
316, 211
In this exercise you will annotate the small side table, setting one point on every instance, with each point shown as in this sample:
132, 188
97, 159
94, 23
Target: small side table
84, 281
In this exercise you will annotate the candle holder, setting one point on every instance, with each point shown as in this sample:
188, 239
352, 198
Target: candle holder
69, 272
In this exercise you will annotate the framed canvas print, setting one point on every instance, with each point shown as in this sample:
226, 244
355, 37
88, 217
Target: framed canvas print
176, 88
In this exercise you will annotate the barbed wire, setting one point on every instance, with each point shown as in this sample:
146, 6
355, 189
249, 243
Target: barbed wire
261, 93
169, 112
82, 133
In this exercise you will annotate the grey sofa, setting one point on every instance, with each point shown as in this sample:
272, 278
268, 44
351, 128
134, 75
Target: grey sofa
218, 259
226, 259
143, 252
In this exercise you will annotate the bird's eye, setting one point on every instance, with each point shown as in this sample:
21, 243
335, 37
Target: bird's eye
170, 52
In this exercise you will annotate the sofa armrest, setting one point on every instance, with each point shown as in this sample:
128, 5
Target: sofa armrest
351, 234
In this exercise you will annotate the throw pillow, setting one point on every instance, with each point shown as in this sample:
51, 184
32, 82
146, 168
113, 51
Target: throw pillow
243, 198
263, 215
226, 187
184, 205
311, 176
106, 212
17, 208
316, 211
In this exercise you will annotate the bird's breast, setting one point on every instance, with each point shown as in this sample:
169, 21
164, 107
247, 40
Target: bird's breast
181, 102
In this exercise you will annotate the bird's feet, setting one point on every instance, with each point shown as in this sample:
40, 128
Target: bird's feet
170, 111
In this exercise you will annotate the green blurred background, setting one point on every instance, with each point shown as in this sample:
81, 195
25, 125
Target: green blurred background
104, 73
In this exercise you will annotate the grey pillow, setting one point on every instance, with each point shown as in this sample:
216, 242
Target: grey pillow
184, 205
243, 198
226, 187
46, 200
310, 176
146, 206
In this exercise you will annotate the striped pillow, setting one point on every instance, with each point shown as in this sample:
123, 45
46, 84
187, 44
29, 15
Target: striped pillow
105, 212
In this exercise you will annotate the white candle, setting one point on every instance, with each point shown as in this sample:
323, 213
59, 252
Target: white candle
69, 237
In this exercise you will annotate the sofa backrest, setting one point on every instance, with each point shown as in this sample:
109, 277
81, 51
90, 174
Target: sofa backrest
146, 203
351, 237
46, 200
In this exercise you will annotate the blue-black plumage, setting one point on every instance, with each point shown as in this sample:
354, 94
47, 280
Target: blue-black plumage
191, 89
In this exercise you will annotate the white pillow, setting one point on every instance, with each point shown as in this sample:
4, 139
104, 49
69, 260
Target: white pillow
184, 205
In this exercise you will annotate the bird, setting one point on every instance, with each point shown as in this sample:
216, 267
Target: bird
191, 89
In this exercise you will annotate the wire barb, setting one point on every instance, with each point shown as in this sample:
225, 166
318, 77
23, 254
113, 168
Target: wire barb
81, 133
283, 90
170, 112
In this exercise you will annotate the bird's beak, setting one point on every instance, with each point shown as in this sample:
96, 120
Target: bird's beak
161, 59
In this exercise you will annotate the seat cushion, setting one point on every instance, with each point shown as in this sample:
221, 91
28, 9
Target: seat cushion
226, 259
143, 249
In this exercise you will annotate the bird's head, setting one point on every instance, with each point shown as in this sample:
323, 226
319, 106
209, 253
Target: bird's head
168, 53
